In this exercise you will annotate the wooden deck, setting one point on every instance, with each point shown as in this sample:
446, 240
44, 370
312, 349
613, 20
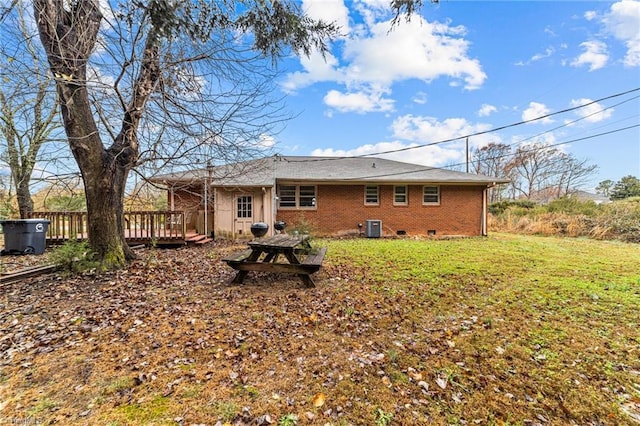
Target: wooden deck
141, 227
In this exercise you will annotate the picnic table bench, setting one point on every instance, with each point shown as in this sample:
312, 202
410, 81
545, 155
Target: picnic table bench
264, 253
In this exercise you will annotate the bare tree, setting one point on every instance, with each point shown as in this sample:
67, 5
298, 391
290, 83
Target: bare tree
160, 45
573, 173
28, 112
491, 160
541, 171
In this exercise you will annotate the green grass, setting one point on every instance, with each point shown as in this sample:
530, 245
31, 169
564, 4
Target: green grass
500, 330
564, 310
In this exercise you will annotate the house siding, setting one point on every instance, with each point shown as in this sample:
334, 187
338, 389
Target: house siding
341, 207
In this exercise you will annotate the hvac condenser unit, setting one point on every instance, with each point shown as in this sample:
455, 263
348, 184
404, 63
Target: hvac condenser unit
373, 229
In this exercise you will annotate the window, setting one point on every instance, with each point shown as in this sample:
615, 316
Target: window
430, 195
245, 207
307, 196
400, 195
371, 195
297, 196
287, 195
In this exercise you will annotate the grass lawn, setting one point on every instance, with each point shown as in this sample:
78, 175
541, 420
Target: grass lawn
504, 330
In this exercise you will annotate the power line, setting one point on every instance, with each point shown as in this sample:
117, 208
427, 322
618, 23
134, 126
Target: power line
496, 129
502, 156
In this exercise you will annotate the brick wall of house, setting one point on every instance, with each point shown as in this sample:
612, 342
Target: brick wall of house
341, 207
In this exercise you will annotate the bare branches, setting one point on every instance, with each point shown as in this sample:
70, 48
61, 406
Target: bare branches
27, 105
68, 31
536, 171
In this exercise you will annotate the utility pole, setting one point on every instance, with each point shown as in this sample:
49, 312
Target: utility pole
467, 143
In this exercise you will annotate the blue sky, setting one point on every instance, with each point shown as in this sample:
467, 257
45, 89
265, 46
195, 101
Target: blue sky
464, 67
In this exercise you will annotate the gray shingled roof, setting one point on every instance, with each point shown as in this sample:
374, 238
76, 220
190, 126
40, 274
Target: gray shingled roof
264, 171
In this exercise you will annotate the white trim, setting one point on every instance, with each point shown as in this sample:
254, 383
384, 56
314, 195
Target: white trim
438, 194
377, 202
406, 195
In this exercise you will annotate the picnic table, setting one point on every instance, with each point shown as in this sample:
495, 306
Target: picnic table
264, 255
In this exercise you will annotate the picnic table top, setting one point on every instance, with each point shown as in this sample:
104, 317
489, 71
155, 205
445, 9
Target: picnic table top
279, 241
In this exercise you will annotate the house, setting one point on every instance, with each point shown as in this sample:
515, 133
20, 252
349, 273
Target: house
334, 195
589, 196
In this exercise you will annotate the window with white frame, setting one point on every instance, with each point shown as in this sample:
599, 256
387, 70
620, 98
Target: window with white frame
431, 195
244, 206
401, 195
371, 195
296, 196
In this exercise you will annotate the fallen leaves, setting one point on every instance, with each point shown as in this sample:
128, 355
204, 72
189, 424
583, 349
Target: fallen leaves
319, 400
185, 343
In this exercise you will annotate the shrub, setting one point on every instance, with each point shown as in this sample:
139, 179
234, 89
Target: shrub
570, 205
302, 225
502, 206
570, 217
73, 257
622, 219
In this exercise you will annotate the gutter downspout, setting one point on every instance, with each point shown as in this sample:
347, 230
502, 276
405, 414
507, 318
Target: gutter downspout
483, 221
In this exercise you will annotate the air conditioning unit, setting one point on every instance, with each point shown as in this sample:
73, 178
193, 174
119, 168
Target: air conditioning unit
373, 228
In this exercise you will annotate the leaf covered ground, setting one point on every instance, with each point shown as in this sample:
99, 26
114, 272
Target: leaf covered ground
505, 330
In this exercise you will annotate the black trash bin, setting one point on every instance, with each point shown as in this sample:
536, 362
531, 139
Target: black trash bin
24, 236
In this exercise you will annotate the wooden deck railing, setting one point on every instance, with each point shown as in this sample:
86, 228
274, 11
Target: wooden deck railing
142, 227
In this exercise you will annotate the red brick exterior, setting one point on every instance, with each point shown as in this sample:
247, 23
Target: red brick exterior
341, 207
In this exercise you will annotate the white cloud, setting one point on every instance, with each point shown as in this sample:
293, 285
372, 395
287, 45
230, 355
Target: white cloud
420, 98
417, 49
592, 113
368, 149
536, 110
547, 138
360, 102
590, 15
328, 11
372, 58
623, 21
316, 68
547, 53
486, 110
434, 156
595, 55
413, 136
423, 130
266, 141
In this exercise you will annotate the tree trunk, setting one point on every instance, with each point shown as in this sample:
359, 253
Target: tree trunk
103, 175
23, 193
68, 33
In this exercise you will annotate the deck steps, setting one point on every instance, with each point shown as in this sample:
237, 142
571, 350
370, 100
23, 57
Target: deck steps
204, 241
198, 239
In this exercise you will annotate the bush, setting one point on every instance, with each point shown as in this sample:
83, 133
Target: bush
570, 217
621, 219
73, 257
501, 207
302, 225
570, 205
